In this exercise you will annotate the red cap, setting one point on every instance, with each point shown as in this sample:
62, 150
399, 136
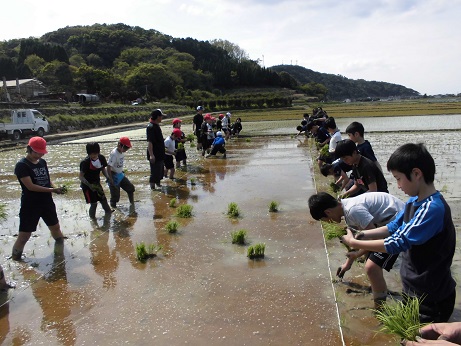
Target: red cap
176, 121
177, 132
221, 116
38, 144
125, 141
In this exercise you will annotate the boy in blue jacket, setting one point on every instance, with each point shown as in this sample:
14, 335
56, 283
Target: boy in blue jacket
423, 232
218, 145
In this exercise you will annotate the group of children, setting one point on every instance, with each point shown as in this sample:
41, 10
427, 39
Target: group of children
212, 133
381, 226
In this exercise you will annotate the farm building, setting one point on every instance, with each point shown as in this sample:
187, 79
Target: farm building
26, 88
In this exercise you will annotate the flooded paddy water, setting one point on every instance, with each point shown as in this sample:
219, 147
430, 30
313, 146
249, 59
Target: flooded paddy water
200, 288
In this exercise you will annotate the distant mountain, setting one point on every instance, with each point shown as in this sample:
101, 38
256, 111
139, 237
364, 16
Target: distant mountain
340, 87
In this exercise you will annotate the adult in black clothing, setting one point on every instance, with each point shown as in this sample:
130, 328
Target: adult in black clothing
155, 148
196, 125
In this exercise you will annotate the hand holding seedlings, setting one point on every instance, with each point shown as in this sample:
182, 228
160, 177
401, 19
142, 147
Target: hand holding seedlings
440, 333
346, 239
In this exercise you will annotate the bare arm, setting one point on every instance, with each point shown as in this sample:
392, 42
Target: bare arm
370, 245
27, 181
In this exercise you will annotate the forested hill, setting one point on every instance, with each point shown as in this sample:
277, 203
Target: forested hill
121, 62
340, 87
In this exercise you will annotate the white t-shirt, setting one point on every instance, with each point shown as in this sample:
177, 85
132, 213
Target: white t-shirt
169, 146
116, 161
335, 138
377, 208
225, 122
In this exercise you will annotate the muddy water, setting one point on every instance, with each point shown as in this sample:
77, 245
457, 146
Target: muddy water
201, 288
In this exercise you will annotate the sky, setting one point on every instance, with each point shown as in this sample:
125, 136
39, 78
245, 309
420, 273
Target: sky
415, 43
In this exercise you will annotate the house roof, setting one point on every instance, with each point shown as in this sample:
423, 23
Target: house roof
12, 83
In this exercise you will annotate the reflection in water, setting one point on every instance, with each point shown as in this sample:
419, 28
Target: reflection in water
54, 297
4, 320
104, 260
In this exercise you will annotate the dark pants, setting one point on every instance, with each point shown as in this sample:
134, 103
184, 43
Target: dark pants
126, 185
216, 148
156, 172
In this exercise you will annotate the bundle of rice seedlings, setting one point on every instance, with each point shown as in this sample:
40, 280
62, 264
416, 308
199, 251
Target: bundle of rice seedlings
184, 211
332, 230
172, 226
172, 203
233, 210
334, 188
256, 251
400, 318
273, 207
238, 237
324, 151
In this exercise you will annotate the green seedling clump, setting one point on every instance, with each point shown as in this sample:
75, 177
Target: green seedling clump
3, 213
193, 181
400, 318
238, 237
324, 151
233, 210
334, 188
256, 251
273, 207
331, 231
172, 226
172, 203
143, 253
190, 137
184, 211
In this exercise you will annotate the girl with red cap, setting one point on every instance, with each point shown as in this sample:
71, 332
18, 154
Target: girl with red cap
36, 197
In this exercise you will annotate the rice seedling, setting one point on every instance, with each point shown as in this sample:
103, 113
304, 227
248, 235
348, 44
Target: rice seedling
184, 211
190, 137
233, 210
238, 237
332, 230
248, 140
193, 181
143, 253
173, 202
172, 226
64, 189
400, 318
324, 151
273, 207
334, 188
192, 144
181, 146
3, 213
256, 251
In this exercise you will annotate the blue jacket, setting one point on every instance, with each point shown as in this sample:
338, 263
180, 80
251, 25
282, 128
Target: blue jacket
219, 141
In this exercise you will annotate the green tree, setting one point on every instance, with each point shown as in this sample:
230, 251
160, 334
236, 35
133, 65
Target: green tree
35, 64
159, 81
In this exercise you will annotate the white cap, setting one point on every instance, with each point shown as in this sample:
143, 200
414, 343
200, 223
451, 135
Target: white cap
228, 114
219, 134
200, 108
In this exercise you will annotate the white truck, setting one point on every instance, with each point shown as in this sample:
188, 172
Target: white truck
25, 121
